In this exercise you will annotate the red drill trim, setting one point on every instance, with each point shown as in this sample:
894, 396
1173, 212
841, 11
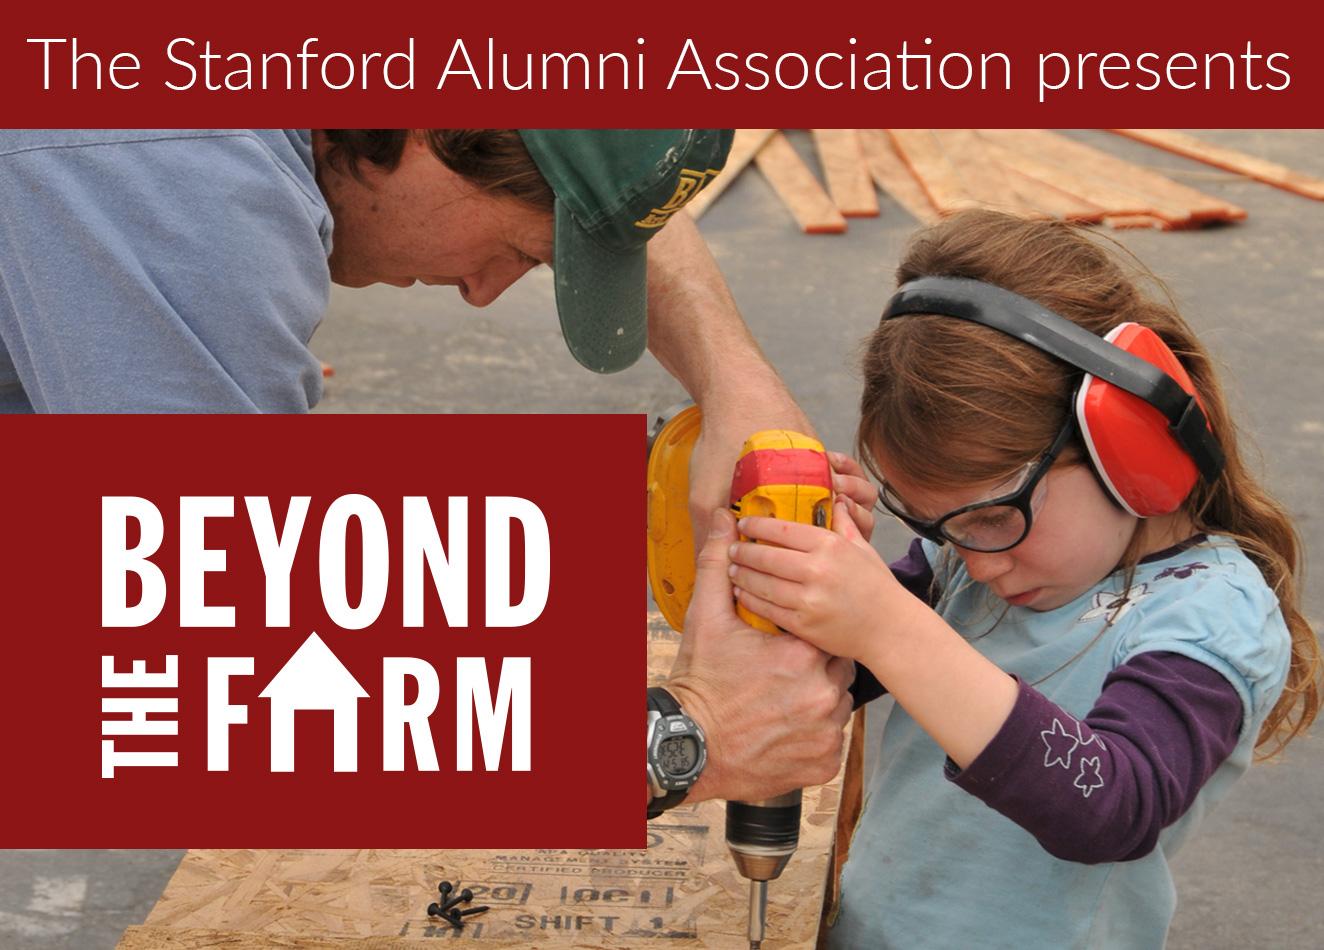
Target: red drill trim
780, 467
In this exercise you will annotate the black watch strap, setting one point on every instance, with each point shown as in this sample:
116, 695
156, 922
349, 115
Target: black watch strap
661, 701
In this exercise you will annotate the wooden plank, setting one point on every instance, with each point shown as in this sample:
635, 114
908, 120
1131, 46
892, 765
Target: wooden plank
797, 187
1052, 201
893, 177
1093, 190
848, 181
1271, 173
744, 147
1164, 194
936, 173
983, 178
1132, 222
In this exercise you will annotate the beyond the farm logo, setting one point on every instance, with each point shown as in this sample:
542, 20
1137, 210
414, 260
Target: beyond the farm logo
222, 630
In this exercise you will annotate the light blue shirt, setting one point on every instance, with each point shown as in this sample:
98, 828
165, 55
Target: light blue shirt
933, 867
160, 270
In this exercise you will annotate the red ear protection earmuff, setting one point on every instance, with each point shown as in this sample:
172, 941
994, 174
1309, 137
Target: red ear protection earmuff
1137, 410
1136, 457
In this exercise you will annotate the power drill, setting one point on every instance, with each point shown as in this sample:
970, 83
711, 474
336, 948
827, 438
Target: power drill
785, 475
780, 474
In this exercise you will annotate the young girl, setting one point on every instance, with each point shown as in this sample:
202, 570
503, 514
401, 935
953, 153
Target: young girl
1074, 685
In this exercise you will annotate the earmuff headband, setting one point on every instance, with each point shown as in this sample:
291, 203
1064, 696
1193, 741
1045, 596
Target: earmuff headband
1019, 317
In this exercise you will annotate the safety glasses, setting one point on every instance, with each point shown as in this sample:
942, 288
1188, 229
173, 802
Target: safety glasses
995, 524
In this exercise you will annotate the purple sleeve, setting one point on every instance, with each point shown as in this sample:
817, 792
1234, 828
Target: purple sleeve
1102, 789
916, 576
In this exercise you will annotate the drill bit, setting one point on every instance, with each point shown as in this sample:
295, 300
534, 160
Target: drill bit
758, 911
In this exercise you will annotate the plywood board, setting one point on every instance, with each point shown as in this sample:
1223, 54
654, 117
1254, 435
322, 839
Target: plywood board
848, 181
681, 892
797, 187
1271, 173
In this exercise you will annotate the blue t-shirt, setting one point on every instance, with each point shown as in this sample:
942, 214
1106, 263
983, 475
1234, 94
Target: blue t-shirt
933, 866
160, 270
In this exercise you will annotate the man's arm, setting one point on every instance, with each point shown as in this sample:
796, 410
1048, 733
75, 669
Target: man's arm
159, 271
698, 335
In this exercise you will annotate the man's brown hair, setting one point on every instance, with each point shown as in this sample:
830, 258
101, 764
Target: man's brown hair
494, 160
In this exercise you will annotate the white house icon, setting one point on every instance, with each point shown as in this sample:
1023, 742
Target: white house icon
314, 678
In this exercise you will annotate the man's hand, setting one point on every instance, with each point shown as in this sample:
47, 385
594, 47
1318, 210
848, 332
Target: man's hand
698, 335
771, 706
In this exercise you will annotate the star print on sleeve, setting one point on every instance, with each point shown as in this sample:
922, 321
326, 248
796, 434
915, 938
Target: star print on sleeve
1061, 744
1089, 778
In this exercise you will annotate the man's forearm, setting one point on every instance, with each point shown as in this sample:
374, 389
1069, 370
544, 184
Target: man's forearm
695, 329
697, 333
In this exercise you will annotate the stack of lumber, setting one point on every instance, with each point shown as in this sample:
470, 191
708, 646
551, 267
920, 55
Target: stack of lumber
1030, 172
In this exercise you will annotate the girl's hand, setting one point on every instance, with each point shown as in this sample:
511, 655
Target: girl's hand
833, 590
852, 486
828, 587
769, 733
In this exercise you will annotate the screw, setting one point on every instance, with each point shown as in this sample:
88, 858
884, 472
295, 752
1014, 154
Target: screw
464, 897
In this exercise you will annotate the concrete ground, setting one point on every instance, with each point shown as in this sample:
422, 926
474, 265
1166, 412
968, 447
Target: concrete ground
1256, 289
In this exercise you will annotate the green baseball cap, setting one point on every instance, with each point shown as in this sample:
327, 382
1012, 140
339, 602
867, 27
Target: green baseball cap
615, 189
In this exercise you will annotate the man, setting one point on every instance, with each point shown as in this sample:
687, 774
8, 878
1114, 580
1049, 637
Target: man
185, 270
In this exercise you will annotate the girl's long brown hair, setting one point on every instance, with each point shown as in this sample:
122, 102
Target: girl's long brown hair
932, 394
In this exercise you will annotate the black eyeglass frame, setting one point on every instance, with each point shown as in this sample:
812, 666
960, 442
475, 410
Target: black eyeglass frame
1021, 499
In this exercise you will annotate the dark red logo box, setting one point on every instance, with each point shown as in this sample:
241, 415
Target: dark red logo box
586, 646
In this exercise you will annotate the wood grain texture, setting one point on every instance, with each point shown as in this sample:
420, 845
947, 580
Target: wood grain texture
1271, 173
797, 187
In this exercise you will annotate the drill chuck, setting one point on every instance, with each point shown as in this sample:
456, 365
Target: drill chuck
763, 835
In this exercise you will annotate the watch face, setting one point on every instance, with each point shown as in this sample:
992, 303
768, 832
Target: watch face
678, 754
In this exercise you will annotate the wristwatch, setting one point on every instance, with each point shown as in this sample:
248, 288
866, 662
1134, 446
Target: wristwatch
676, 751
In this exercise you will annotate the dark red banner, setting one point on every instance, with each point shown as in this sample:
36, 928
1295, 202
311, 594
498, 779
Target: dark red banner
332, 628
962, 63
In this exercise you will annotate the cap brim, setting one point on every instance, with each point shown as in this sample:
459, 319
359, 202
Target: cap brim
601, 296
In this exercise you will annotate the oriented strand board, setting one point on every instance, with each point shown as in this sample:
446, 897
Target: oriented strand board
682, 892
797, 187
